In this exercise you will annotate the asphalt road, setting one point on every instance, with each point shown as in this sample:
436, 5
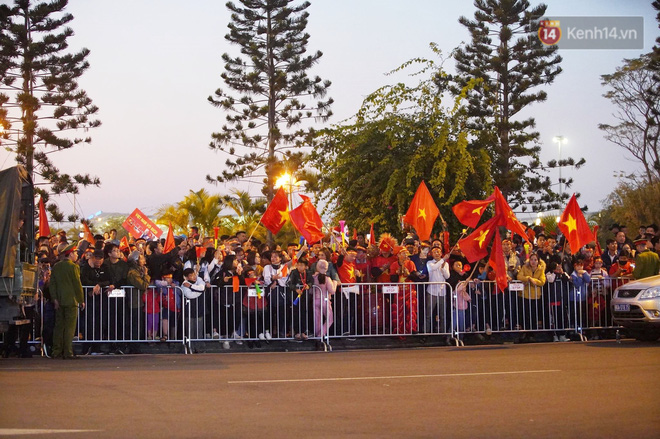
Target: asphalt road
580, 390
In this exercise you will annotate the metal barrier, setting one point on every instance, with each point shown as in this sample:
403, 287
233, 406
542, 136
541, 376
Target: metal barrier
362, 310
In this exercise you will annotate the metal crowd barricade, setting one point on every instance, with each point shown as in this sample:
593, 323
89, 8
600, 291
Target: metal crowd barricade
127, 316
358, 310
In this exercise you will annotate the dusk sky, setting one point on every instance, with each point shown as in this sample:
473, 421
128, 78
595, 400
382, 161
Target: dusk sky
154, 63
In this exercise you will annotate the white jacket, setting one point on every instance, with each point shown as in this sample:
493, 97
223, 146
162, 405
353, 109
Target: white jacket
438, 272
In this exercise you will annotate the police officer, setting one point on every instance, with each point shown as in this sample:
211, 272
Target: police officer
647, 262
67, 293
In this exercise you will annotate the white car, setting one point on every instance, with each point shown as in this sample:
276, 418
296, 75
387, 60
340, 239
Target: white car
636, 306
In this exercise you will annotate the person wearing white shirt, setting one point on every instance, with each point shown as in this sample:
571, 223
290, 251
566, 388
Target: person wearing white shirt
438, 269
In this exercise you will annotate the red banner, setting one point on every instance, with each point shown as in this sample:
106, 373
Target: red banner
138, 225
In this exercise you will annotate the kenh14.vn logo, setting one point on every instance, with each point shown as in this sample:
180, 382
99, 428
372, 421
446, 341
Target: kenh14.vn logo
549, 32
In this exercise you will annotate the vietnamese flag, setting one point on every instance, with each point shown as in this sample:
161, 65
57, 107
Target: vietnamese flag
88, 234
470, 212
599, 250
306, 219
574, 226
509, 219
123, 244
44, 228
277, 212
372, 235
169, 241
475, 245
498, 263
422, 212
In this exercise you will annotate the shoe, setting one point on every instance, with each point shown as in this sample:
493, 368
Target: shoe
261, 336
346, 333
238, 338
225, 345
555, 338
215, 334
268, 336
304, 336
163, 338
564, 338
297, 337
489, 331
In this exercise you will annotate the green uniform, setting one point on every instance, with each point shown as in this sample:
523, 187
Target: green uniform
647, 264
65, 287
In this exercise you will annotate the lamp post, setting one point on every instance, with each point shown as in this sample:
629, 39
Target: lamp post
288, 180
559, 140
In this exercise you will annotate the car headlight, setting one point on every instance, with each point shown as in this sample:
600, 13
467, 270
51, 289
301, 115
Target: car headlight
651, 293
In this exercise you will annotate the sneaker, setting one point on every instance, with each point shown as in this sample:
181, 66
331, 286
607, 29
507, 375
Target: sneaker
262, 336
564, 338
225, 345
297, 337
215, 334
207, 336
555, 338
267, 335
304, 336
237, 337
489, 331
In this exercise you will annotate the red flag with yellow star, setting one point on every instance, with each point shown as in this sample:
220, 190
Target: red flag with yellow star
469, 212
509, 219
475, 245
87, 234
277, 213
498, 263
306, 219
574, 226
422, 212
169, 241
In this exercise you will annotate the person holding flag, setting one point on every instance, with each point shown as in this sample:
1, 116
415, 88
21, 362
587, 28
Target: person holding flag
279, 300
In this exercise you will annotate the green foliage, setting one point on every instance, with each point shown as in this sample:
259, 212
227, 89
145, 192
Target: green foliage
268, 114
40, 101
633, 202
510, 61
402, 135
197, 208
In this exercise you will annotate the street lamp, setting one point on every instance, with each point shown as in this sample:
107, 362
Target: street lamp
288, 180
559, 140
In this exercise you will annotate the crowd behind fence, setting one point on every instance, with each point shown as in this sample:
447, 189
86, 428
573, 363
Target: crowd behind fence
232, 315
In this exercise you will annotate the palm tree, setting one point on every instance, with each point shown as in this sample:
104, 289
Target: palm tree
197, 208
247, 210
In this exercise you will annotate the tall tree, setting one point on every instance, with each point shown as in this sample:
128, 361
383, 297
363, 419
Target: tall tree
40, 101
267, 113
507, 55
633, 91
403, 134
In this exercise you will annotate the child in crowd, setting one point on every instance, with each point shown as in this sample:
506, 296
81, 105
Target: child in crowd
193, 287
300, 282
152, 300
556, 300
581, 280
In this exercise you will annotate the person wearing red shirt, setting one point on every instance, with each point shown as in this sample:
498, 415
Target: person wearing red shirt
404, 309
621, 271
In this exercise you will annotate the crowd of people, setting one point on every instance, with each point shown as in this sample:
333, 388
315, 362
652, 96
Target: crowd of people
239, 288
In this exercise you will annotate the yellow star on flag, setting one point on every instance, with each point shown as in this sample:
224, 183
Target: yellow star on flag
422, 213
482, 237
351, 272
478, 210
570, 223
284, 215
596, 304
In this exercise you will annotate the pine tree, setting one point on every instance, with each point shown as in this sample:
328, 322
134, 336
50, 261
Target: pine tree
506, 53
268, 115
40, 101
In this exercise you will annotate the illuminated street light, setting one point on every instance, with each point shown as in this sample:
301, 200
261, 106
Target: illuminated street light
559, 140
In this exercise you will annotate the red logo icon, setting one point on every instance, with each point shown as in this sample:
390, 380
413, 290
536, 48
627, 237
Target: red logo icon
549, 32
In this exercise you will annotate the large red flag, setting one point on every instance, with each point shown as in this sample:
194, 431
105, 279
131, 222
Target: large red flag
498, 263
574, 226
277, 212
422, 212
509, 219
306, 219
475, 245
469, 212
88, 234
169, 241
44, 228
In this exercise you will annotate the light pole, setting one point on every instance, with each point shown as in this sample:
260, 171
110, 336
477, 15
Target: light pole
559, 140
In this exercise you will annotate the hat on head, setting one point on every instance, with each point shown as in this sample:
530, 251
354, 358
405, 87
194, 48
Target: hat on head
68, 249
641, 241
98, 254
